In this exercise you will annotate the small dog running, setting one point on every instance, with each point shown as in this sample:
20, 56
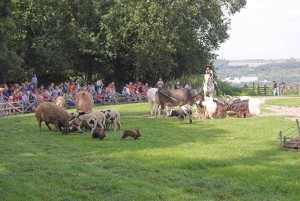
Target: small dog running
182, 113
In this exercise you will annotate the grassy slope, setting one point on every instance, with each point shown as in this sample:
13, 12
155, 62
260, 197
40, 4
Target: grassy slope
230, 159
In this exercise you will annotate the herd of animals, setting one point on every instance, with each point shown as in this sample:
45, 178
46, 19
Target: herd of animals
208, 107
97, 122
164, 100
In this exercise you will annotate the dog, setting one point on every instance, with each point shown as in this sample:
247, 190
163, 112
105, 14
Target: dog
182, 113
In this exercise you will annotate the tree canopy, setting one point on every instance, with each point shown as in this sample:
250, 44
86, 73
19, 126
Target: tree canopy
120, 40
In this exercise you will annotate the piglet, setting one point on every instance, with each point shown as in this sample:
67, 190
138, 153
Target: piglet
67, 129
99, 133
129, 133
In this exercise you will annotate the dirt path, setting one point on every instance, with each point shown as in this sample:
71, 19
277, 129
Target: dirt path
274, 110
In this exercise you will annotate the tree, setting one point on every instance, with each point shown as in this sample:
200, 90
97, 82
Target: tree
169, 38
122, 40
10, 60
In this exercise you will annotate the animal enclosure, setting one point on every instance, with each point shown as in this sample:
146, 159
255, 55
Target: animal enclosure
290, 137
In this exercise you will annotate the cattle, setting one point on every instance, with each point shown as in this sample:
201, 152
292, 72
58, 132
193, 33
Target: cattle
152, 100
254, 106
240, 107
214, 107
222, 108
246, 106
176, 97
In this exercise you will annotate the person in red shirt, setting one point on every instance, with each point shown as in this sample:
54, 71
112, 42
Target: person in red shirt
71, 87
132, 88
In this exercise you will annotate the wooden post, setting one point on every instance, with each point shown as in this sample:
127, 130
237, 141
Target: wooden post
284, 142
265, 90
280, 137
257, 88
297, 122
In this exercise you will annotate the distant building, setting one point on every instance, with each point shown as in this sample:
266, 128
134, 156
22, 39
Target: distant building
237, 80
266, 81
232, 80
249, 79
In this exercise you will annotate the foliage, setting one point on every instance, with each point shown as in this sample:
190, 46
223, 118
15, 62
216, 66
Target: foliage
121, 40
228, 89
195, 81
197, 84
228, 159
10, 61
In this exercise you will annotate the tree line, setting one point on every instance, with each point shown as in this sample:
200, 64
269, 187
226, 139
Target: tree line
120, 40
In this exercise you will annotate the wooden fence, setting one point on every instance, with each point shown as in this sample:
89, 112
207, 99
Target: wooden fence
268, 90
14, 108
290, 137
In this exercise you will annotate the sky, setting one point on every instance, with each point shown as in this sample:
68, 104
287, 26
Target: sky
264, 29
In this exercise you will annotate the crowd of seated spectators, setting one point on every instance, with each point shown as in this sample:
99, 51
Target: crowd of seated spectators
29, 95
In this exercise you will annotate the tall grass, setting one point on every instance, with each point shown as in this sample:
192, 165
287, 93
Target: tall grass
221, 159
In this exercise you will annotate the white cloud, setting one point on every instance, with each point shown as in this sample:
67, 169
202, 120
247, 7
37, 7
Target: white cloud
267, 29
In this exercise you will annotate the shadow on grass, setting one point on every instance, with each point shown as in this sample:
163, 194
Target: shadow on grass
209, 159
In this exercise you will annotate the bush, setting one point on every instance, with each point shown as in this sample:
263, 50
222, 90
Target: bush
197, 82
226, 88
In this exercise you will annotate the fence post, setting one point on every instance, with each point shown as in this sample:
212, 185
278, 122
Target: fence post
280, 137
265, 90
257, 88
297, 122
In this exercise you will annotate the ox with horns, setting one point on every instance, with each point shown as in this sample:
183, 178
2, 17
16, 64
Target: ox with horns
176, 97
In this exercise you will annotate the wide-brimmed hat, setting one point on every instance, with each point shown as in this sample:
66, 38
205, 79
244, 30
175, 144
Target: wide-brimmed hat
1, 89
11, 97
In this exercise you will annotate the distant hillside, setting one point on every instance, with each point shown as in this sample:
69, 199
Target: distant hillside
287, 70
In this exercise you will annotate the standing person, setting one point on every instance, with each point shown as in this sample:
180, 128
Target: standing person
99, 83
146, 86
112, 93
275, 92
160, 83
281, 87
34, 80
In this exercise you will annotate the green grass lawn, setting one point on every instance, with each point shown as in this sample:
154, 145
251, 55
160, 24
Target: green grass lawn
289, 102
220, 159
